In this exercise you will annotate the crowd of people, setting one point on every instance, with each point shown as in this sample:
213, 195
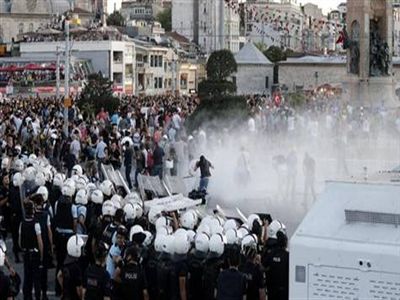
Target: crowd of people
55, 201
28, 77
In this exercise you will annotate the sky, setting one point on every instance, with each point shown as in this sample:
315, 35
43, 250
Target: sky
326, 5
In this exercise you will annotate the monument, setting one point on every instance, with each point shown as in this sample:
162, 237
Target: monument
369, 43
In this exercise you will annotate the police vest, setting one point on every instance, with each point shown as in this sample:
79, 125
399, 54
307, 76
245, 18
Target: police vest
41, 217
195, 277
108, 233
28, 235
96, 281
63, 218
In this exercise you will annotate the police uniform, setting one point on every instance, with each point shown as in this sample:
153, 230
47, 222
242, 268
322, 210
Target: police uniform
254, 279
64, 215
29, 230
15, 218
231, 285
97, 283
212, 267
4, 286
133, 281
43, 218
276, 264
150, 267
72, 279
165, 278
195, 275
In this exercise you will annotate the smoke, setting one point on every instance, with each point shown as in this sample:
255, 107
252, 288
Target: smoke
262, 171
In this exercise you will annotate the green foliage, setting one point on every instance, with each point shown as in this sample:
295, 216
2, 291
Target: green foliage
116, 19
214, 111
165, 18
261, 46
220, 65
296, 99
209, 88
275, 54
96, 94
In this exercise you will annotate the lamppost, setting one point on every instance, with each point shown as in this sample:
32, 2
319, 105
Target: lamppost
66, 77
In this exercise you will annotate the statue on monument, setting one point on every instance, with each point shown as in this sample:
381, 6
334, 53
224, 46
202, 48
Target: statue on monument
379, 53
353, 45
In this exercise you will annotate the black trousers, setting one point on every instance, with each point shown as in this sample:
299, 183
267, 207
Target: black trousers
61, 240
15, 221
31, 275
128, 170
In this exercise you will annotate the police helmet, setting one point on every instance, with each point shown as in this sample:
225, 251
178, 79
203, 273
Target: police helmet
164, 230
154, 214
191, 235
217, 244
149, 238
189, 219
201, 242
242, 232
216, 228
249, 240
90, 187
117, 200
18, 165
181, 243
108, 208
132, 197
127, 139
158, 243
40, 179
30, 174
274, 227
58, 180
32, 159
230, 224
204, 228
81, 197
42, 190
81, 182
18, 179
168, 244
5, 162
77, 170
107, 187
231, 236
97, 197
251, 221
162, 221
122, 231
75, 245
68, 188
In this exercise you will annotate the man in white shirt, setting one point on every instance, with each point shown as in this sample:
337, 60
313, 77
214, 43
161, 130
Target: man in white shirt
75, 147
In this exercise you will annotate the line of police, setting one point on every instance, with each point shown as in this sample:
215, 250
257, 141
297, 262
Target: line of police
106, 245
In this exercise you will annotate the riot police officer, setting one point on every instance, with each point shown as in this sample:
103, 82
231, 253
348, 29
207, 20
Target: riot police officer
32, 245
96, 281
65, 220
131, 278
213, 265
196, 267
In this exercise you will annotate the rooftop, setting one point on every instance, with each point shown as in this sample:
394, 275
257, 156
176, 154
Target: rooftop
250, 55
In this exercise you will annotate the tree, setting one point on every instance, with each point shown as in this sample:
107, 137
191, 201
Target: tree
275, 54
165, 18
220, 65
96, 94
116, 19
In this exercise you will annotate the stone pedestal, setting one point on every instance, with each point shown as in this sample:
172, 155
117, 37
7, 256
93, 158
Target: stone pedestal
371, 92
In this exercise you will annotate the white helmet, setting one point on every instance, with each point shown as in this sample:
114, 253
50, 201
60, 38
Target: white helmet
19, 165
242, 232
81, 197
162, 221
231, 236
251, 219
216, 228
40, 179
158, 243
77, 170
108, 208
201, 242
18, 148
90, 187
75, 245
132, 197
81, 182
42, 190
154, 214
249, 240
68, 188
97, 197
181, 244
107, 187
134, 230
5, 162
230, 224
149, 238
58, 180
180, 231
30, 174
127, 139
117, 200
207, 220
191, 235
32, 159
189, 219
132, 211
164, 230
274, 227
217, 244
204, 228
48, 174
168, 244
18, 179
3, 249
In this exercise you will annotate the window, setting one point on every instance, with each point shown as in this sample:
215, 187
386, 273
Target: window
21, 28
160, 83
267, 82
155, 61
160, 61
30, 27
151, 61
234, 80
155, 83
